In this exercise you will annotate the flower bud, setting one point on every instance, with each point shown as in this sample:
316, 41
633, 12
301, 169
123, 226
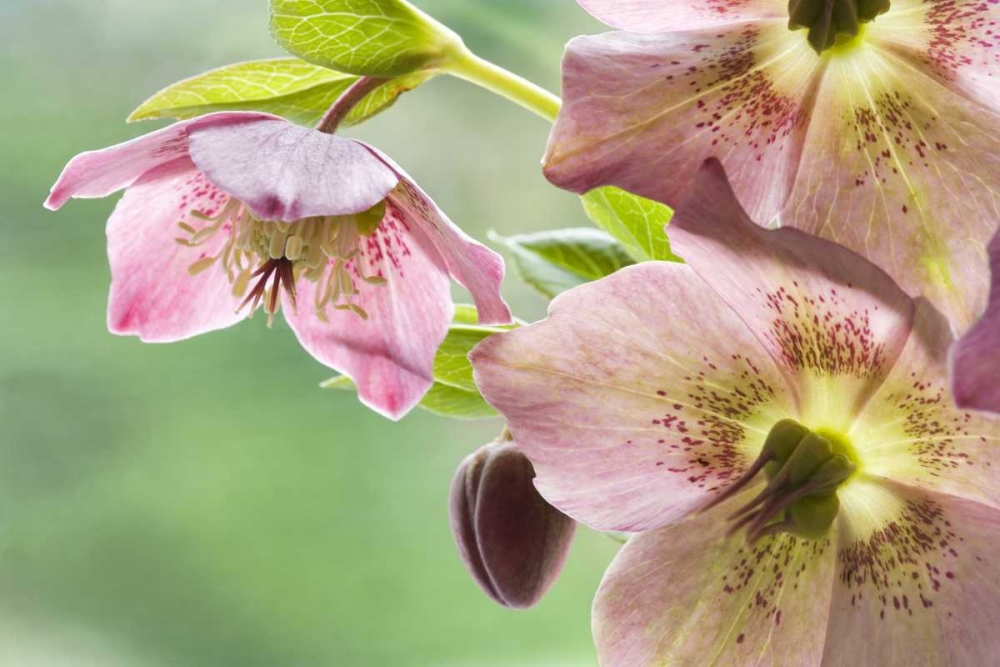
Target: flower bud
513, 543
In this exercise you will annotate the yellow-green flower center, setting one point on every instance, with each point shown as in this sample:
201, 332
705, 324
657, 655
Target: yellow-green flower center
262, 257
833, 23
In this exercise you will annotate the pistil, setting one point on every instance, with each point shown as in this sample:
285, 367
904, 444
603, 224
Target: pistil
804, 469
831, 20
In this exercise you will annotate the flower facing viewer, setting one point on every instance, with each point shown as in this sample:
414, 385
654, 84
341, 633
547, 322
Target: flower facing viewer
231, 212
774, 422
869, 124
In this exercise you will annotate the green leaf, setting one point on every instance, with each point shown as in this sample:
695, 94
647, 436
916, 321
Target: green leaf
555, 261
453, 394
635, 221
366, 37
289, 87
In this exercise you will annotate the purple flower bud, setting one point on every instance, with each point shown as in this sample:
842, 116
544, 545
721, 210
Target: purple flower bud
512, 541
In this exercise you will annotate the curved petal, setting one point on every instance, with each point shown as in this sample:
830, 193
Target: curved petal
917, 581
956, 42
663, 16
832, 321
99, 173
640, 396
282, 171
689, 595
474, 266
913, 433
976, 357
153, 294
389, 355
642, 112
904, 171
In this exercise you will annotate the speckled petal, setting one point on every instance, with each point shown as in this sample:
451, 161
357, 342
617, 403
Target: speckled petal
912, 431
666, 15
644, 111
955, 41
153, 295
474, 266
917, 580
639, 396
832, 321
689, 595
976, 357
102, 172
903, 170
389, 355
282, 171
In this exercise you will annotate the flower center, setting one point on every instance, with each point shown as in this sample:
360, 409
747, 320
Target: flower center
261, 257
833, 22
804, 469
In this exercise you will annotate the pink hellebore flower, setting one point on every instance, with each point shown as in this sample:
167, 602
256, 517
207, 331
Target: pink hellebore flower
230, 211
649, 401
887, 142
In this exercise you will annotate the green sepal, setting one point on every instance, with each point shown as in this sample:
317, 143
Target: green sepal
554, 261
454, 393
384, 38
287, 87
638, 223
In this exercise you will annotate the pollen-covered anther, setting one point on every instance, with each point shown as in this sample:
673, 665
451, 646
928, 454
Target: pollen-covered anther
261, 257
804, 470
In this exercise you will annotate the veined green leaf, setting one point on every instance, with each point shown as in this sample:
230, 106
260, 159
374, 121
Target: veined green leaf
289, 87
555, 261
635, 221
453, 394
366, 37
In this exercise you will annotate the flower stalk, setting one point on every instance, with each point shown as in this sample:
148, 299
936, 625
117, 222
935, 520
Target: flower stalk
496, 79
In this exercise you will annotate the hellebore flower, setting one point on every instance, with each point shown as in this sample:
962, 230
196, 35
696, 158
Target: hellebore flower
886, 142
512, 542
232, 211
773, 419
976, 357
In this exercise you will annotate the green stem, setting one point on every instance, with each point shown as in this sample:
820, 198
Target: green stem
474, 69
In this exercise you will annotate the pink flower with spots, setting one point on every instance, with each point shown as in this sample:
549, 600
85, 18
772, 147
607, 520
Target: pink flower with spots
234, 211
774, 423
885, 142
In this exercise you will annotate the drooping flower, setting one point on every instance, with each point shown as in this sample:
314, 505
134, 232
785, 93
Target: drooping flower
512, 542
887, 142
773, 419
976, 357
229, 212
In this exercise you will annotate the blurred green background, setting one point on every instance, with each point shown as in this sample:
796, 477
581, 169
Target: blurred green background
205, 503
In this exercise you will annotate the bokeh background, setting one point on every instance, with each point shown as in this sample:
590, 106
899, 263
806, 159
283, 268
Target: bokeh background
205, 503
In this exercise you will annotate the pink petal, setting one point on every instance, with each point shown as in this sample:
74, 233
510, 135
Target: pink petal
644, 111
282, 171
474, 266
912, 431
153, 295
820, 310
390, 355
638, 397
904, 171
956, 42
976, 357
663, 15
689, 595
99, 173
920, 587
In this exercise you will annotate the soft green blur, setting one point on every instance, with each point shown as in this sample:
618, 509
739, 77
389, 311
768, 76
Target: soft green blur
205, 503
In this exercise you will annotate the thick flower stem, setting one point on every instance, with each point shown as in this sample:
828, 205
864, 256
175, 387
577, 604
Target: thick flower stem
485, 74
351, 97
